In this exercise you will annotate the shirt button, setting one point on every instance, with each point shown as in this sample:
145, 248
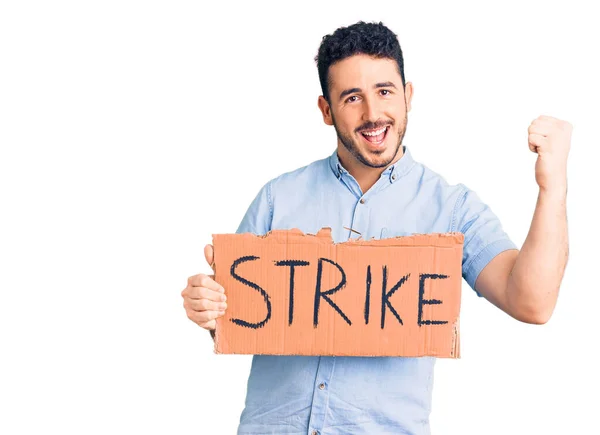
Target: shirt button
393, 176
321, 386
362, 200
314, 432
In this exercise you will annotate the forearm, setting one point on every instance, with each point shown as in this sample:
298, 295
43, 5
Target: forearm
533, 284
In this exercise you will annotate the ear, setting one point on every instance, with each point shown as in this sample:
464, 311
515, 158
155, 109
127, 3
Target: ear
408, 93
325, 110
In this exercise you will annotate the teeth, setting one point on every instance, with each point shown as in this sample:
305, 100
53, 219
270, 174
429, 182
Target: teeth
374, 133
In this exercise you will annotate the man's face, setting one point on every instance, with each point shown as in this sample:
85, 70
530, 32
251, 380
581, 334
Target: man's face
368, 108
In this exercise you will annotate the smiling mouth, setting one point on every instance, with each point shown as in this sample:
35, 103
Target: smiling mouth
377, 136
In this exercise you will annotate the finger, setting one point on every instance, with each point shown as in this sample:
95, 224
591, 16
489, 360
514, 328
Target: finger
547, 118
209, 254
539, 128
204, 305
210, 325
535, 141
207, 281
204, 293
544, 118
201, 317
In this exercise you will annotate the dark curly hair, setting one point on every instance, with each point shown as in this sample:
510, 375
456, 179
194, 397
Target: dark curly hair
373, 39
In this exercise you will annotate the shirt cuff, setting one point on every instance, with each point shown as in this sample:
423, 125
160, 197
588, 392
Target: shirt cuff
474, 268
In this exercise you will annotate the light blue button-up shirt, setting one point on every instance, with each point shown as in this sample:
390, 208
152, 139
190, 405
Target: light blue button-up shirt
308, 395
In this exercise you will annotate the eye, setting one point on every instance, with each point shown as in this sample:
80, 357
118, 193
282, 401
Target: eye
351, 99
385, 92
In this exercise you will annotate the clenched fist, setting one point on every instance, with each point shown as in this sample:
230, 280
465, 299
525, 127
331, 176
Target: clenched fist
203, 298
550, 138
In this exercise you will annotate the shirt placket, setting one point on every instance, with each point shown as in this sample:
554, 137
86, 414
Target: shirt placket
320, 400
360, 217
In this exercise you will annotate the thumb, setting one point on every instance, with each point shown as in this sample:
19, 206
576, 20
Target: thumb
209, 255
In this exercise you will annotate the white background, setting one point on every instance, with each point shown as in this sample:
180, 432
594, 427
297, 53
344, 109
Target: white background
132, 131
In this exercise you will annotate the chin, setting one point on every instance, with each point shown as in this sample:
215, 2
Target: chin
378, 159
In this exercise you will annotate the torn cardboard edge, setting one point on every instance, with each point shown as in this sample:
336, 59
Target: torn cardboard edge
343, 298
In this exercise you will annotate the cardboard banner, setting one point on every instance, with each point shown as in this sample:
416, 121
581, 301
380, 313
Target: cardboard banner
294, 294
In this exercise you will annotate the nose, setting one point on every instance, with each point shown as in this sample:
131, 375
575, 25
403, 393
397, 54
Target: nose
371, 110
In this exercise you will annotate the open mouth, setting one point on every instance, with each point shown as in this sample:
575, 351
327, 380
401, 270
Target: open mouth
377, 136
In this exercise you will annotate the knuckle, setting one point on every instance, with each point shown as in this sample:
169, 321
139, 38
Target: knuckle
199, 323
202, 293
204, 280
191, 293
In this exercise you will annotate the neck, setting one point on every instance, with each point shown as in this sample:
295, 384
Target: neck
366, 176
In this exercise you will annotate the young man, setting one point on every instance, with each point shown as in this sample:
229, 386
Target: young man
372, 185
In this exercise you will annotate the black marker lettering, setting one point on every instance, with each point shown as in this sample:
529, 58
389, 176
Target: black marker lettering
264, 294
422, 278
292, 264
368, 295
319, 294
385, 296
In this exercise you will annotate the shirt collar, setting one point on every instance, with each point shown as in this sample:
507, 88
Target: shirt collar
394, 172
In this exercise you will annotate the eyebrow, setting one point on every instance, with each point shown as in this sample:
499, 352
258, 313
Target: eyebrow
385, 85
349, 91
377, 86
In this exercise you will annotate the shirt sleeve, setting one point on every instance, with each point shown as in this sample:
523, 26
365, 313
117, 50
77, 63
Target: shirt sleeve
259, 215
484, 236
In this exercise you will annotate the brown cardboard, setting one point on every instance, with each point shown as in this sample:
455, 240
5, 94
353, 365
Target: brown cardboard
255, 271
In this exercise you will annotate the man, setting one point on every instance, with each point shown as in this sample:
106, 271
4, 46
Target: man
372, 185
